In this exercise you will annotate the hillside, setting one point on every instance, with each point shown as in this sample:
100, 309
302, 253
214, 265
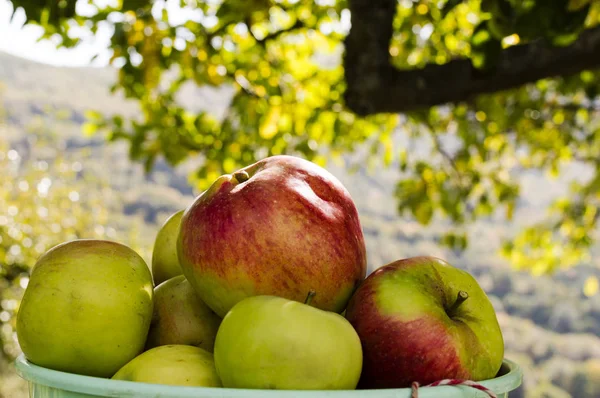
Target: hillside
549, 325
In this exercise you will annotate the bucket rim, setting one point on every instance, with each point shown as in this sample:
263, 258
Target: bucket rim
509, 381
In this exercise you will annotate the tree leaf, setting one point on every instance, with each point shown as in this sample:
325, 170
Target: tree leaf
591, 286
449, 6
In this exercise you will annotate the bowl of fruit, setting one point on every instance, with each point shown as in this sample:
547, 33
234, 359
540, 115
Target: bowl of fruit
259, 288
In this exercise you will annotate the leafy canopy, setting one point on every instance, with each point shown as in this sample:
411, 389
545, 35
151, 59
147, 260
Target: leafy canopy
283, 60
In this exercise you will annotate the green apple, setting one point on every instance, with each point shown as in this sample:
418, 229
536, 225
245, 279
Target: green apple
165, 263
178, 365
421, 319
180, 317
87, 308
268, 342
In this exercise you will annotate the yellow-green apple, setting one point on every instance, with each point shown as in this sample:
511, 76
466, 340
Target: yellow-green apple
281, 226
178, 365
165, 263
180, 317
421, 319
268, 342
87, 308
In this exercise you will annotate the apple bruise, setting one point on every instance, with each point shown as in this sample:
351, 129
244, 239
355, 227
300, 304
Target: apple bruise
286, 229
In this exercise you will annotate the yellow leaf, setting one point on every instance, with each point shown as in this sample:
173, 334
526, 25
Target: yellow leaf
320, 160
388, 154
89, 129
591, 286
229, 165
260, 91
268, 129
510, 209
94, 115
558, 118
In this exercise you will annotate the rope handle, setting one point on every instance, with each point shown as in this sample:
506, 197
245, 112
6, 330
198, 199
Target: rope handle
452, 382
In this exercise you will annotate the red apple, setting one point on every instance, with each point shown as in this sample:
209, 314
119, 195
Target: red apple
282, 226
421, 319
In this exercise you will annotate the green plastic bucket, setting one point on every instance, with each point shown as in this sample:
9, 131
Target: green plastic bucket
47, 383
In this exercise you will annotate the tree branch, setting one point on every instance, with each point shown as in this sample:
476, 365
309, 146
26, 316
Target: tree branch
367, 59
449, 159
375, 86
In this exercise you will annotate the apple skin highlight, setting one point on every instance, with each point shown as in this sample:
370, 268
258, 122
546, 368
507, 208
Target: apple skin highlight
404, 315
282, 226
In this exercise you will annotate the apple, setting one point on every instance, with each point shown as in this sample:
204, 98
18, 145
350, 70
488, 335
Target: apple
165, 263
178, 365
421, 319
281, 226
268, 342
87, 308
180, 317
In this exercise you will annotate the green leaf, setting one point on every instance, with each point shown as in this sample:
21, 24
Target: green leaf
93, 115
486, 49
423, 211
50, 14
456, 242
134, 5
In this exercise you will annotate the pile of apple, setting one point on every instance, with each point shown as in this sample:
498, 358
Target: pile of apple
260, 283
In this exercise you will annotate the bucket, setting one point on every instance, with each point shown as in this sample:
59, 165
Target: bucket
47, 383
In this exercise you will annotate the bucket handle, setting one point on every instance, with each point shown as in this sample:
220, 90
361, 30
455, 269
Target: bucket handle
451, 382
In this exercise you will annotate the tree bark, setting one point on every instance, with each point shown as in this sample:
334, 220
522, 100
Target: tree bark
375, 86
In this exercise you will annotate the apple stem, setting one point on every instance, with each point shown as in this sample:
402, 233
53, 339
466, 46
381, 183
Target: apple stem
462, 296
309, 297
241, 176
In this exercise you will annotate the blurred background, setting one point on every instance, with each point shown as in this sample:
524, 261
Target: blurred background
468, 130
